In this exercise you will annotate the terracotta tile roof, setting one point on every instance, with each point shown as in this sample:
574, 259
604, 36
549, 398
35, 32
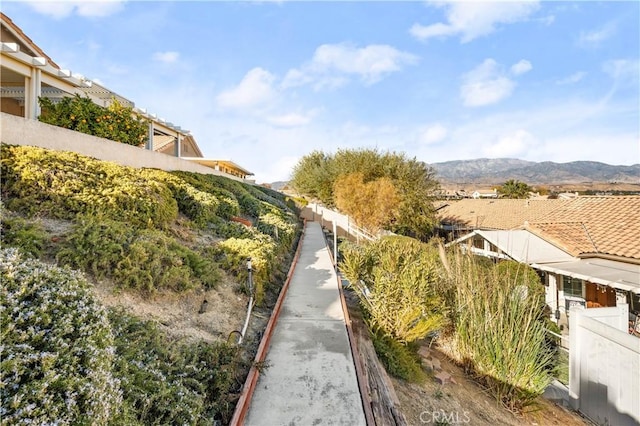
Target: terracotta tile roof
502, 214
584, 225
598, 225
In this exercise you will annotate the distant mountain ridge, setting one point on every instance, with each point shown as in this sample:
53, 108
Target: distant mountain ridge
499, 170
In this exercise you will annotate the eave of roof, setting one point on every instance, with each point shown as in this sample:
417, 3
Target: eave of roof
18, 33
212, 162
624, 276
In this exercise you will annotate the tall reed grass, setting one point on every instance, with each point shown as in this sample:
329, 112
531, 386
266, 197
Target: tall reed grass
498, 330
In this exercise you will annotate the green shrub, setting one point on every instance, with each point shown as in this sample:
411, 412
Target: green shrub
56, 354
499, 330
398, 359
398, 291
228, 206
146, 260
275, 224
27, 236
154, 261
96, 245
168, 382
116, 122
63, 184
262, 251
203, 204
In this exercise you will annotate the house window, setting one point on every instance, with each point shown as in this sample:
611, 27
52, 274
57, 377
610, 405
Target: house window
572, 286
478, 242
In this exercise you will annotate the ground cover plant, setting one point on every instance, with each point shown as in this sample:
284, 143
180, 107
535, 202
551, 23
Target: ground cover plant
68, 360
57, 346
148, 232
37, 181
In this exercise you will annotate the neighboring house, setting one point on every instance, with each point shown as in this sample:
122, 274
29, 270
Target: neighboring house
586, 250
483, 193
27, 73
224, 166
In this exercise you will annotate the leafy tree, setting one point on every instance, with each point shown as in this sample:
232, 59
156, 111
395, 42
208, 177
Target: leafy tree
416, 184
312, 176
514, 189
116, 122
372, 204
319, 175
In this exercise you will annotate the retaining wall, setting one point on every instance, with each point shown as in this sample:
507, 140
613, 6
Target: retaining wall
16, 130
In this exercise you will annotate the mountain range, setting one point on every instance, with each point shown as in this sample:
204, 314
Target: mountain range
499, 170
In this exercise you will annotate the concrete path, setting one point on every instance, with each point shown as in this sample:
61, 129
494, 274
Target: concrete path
311, 378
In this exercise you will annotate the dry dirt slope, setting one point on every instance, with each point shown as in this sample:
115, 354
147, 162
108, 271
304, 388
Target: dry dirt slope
464, 402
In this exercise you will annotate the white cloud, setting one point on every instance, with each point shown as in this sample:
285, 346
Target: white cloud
486, 84
521, 67
256, 88
168, 57
333, 64
573, 78
547, 20
433, 134
623, 69
513, 145
291, 119
471, 20
88, 9
596, 37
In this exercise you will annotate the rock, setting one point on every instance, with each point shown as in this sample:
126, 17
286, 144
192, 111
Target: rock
443, 378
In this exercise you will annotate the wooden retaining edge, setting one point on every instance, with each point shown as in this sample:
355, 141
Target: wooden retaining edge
363, 383
244, 401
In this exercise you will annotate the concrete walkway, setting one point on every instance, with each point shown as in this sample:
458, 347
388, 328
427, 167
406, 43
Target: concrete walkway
311, 378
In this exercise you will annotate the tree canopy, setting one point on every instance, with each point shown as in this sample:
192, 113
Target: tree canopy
514, 189
380, 190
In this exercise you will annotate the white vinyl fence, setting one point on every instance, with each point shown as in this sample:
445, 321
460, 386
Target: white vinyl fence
604, 366
344, 224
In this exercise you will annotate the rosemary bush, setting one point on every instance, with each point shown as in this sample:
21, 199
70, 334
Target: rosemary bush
57, 347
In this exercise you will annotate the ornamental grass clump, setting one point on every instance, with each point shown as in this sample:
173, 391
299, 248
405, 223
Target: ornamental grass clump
56, 347
499, 330
395, 279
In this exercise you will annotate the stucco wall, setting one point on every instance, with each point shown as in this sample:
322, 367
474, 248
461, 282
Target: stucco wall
20, 131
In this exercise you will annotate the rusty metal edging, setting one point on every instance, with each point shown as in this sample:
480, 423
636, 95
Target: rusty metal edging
244, 401
363, 383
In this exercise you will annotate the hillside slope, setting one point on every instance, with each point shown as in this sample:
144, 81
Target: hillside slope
162, 257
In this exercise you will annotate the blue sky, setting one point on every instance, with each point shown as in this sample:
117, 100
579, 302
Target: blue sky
264, 83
